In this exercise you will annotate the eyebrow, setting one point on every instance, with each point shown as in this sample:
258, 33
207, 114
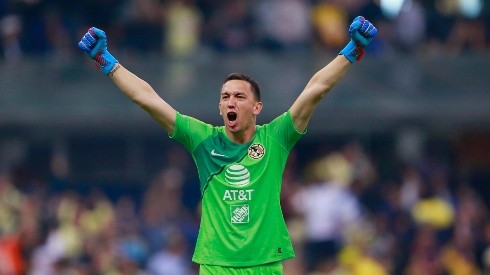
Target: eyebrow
233, 93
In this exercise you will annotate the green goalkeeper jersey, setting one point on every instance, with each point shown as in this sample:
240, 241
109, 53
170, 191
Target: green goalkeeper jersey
242, 222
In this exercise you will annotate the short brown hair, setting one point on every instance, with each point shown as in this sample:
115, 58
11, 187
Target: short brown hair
244, 77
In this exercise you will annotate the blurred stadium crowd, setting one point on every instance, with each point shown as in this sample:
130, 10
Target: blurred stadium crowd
346, 213
182, 27
345, 216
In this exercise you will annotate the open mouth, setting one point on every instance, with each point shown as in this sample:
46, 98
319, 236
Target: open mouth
231, 116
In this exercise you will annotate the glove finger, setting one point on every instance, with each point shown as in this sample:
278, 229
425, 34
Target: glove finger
84, 47
369, 31
359, 20
90, 38
364, 26
87, 42
372, 32
356, 24
98, 33
99, 41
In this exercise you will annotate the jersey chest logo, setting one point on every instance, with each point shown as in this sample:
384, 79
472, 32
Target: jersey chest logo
256, 151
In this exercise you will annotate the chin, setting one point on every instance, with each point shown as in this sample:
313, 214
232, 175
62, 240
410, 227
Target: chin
232, 129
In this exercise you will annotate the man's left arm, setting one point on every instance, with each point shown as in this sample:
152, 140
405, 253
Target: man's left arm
361, 32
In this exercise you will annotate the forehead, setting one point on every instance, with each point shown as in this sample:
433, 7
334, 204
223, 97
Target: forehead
236, 86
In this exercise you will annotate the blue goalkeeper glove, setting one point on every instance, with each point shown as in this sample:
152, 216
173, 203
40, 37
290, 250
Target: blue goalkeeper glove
94, 43
361, 32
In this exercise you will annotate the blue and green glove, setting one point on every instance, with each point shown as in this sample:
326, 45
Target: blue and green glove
361, 32
94, 43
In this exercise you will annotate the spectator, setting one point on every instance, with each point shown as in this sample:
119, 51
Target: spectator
285, 24
327, 19
172, 258
143, 26
328, 209
458, 255
230, 27
424, 253
410, 26
10, 31
433, 210
468, 32
183, 21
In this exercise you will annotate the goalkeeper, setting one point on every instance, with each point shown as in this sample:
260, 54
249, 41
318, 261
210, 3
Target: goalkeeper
240, 164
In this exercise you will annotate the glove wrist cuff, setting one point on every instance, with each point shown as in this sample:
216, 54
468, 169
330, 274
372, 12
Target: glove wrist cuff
352, 51
105, 62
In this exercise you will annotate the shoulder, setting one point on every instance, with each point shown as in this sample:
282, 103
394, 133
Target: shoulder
284, 120
192, 123
191, 130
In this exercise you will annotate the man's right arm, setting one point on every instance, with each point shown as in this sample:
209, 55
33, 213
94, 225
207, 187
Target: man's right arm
141, 93
361, 32
94, 43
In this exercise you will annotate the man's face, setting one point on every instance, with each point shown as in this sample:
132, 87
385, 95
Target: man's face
238, 105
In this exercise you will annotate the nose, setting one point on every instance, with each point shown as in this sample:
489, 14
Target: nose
231, 101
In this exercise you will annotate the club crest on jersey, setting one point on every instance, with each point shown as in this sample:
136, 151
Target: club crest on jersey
256, 151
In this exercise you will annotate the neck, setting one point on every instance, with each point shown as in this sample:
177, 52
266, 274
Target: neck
241, 137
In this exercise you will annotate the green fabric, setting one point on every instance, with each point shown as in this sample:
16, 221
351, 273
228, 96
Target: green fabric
275, 268
242, 222
214, 153
207, 145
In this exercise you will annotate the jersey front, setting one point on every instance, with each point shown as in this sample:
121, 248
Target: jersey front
242, 222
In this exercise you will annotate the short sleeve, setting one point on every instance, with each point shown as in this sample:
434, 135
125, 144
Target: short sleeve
282, 130
190, 131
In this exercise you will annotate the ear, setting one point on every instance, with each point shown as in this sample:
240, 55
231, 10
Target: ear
257, 108
219, 108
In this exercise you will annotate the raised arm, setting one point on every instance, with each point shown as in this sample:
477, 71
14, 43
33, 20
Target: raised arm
94, 43
361, 32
